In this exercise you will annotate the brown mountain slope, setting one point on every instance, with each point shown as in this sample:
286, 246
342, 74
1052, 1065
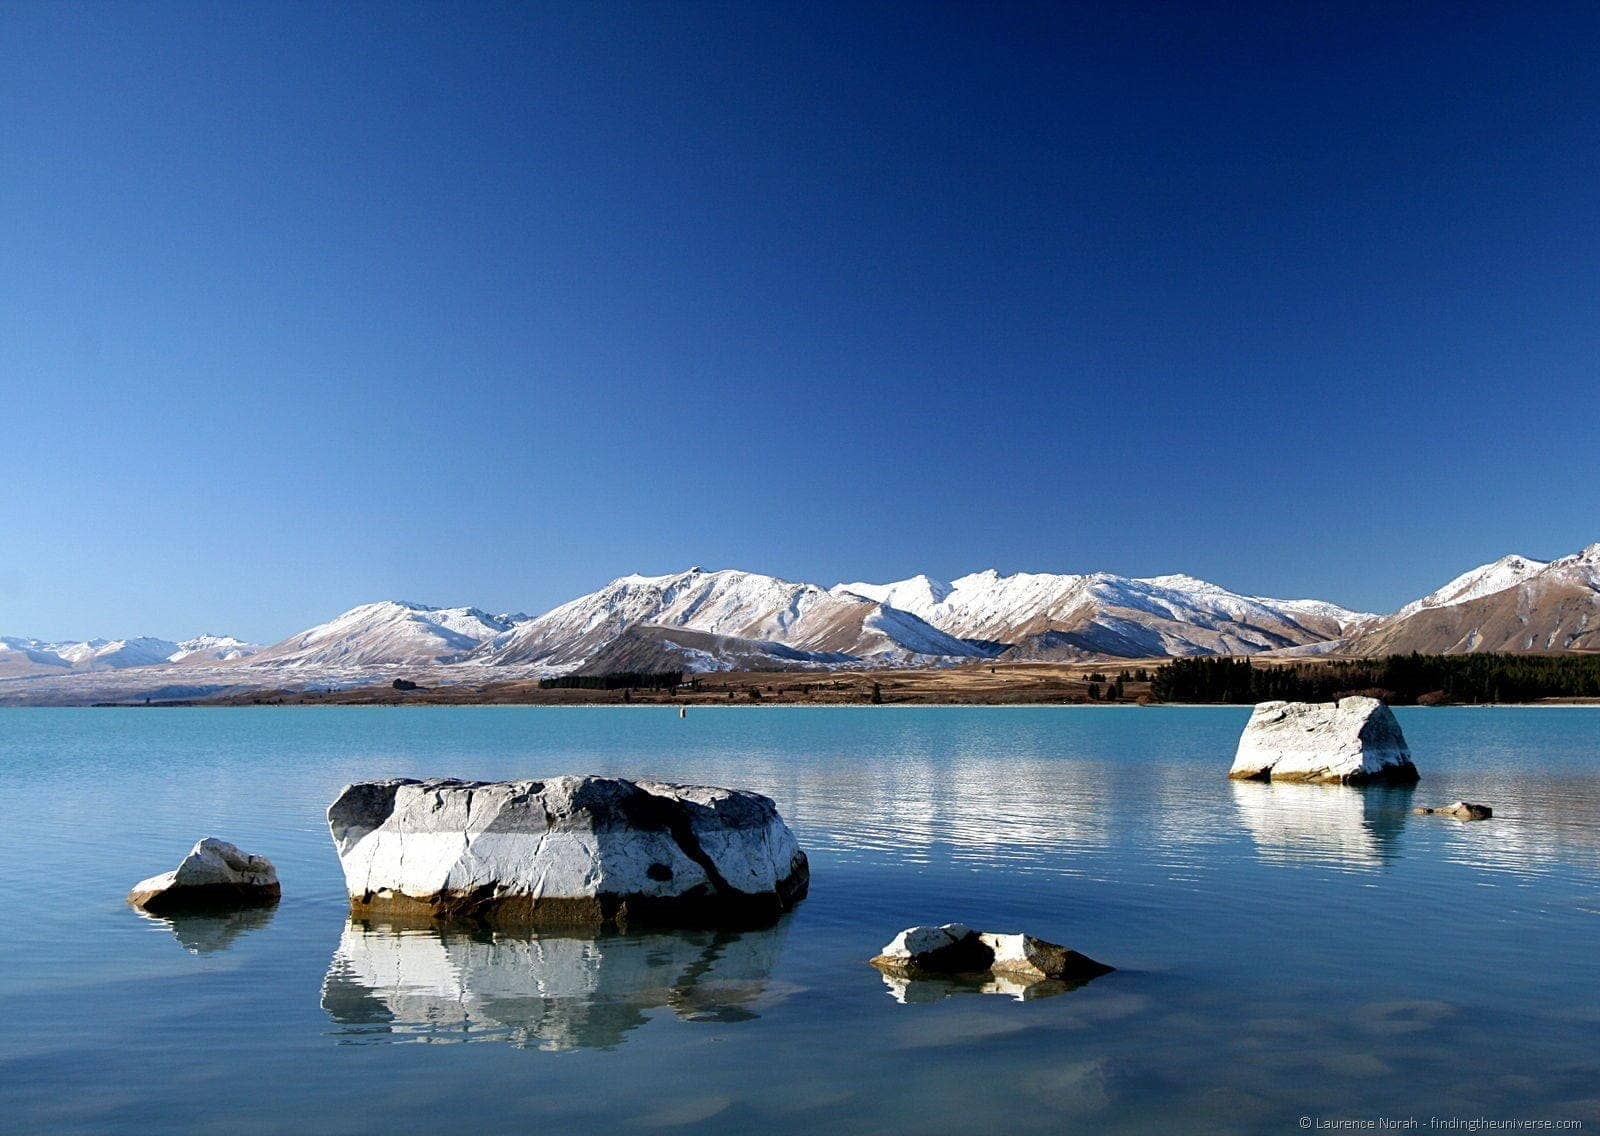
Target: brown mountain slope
1557, 609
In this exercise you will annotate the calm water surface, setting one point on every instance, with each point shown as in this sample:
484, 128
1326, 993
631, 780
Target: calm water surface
1282, 951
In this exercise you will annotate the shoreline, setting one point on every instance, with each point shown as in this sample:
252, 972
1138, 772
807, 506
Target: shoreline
1129, 682
642, 704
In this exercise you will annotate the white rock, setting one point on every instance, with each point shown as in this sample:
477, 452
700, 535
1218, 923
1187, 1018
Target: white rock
1008, 961
215, 874
584, 851
917, 942
1353, 741
1029, 959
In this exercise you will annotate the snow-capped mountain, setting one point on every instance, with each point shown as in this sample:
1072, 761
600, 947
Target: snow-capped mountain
646, 649
96, 653
1044, 615
738, 605
213, 648
919, 595
388, 633
20, 656
1512, 604
733, 620
27, 656
1485, 580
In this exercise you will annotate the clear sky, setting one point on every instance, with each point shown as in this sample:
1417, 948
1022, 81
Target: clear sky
304, 306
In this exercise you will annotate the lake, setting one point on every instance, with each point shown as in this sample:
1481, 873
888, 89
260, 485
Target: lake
1282, 951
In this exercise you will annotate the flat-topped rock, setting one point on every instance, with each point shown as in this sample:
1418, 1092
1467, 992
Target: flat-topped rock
214, 876
956, 950
1460, 810
1354, 741
590, 852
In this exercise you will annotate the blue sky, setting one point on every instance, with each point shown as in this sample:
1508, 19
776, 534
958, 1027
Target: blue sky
303, 306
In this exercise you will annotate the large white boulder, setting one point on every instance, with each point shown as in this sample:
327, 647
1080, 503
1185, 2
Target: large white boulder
566, 851
215, 875
1354, 741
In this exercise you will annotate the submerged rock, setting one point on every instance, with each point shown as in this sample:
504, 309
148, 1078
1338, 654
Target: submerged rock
1461, 810
993, 962
1354, 741
214, 876
587, 852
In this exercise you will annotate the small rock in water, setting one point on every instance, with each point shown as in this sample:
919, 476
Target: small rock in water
214, 876
1461, 810
956, 950
1354, 741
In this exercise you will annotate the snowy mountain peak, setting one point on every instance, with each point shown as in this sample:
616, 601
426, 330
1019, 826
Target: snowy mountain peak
916, 594
1184, 583
976, 579
116, 653
1485, 580
1590, 555
215, 648
1103, 613
746, 606
120, 654
1511, 604
386, 633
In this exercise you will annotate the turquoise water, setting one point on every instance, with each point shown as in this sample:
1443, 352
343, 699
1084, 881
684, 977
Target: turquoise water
1283, 951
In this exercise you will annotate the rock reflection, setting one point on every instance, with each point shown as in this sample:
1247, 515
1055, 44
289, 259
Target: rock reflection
916, 991
1335, 825
201, 933
546, 992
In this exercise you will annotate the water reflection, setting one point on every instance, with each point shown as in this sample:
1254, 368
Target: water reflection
201, 933
545, 992
1333, 825
1036, 816
915, 991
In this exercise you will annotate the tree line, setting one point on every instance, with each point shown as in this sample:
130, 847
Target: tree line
617, 680
1400, 679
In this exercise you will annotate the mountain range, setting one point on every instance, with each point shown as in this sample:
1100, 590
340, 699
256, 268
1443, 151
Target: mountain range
697, 620
21, 656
